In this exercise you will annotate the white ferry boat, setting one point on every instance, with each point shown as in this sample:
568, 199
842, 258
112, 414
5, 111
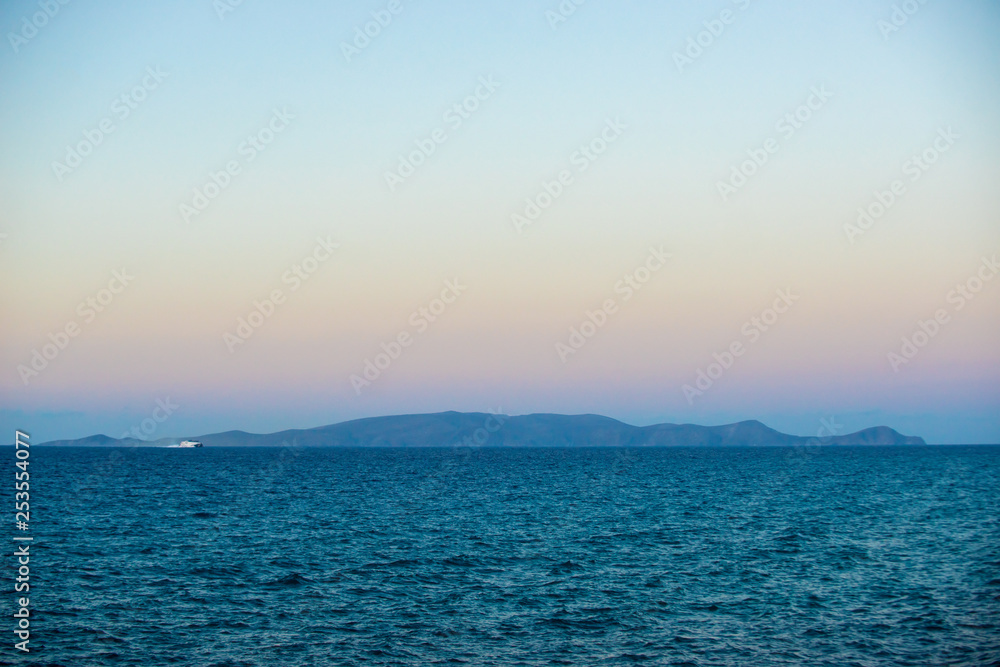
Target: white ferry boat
190, 443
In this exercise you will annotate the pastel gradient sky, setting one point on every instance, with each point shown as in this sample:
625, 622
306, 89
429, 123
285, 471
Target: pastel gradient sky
323, 176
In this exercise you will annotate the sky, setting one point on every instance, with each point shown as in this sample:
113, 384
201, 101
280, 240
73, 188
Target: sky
256, 215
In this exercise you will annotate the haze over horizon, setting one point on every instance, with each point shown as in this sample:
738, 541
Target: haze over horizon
348, 248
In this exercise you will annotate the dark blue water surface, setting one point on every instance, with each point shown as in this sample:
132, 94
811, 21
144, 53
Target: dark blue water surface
858, 556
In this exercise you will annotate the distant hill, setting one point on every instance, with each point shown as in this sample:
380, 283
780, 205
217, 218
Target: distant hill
445, 429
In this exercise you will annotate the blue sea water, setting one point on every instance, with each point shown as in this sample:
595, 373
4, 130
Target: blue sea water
286, 557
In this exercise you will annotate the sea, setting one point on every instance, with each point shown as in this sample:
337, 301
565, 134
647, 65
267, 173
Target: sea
240, 557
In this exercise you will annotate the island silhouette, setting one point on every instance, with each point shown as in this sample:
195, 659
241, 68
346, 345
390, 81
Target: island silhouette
482, 429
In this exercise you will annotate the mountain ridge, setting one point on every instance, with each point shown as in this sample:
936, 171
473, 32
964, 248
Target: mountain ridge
443, 429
